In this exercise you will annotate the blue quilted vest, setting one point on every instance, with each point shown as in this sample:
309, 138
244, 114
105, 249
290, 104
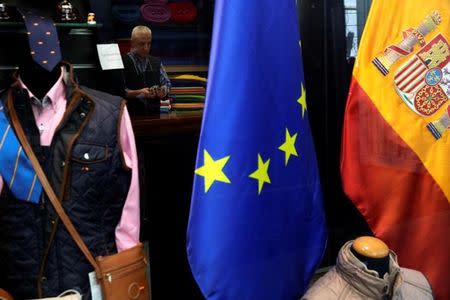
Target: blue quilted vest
85, 166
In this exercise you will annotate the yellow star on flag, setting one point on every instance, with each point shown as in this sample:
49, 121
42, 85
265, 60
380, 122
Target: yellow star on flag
261, 173
212, 170
289, 146
302, 101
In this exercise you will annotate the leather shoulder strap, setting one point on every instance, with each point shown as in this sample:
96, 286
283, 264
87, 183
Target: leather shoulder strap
4, 295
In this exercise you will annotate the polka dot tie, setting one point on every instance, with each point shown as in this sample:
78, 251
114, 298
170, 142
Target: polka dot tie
42, 38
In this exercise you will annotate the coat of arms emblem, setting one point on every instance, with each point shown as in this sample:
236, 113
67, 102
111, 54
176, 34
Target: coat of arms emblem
423, 81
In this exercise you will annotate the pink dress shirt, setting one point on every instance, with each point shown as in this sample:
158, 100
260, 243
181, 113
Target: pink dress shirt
48, 119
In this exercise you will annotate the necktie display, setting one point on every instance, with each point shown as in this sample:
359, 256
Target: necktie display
42, 38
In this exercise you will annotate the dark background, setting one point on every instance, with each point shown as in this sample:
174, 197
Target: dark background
167, 161
327, 76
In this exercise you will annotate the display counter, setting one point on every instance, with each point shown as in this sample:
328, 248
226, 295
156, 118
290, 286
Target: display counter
185, 122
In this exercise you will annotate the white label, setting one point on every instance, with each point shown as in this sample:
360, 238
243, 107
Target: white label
96, 290
109, 56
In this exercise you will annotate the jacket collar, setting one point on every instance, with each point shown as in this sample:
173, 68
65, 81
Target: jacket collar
366, 281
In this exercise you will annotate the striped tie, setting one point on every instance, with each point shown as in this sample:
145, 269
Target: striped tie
15, 168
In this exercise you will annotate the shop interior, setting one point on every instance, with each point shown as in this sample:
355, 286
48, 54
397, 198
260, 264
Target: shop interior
167, 143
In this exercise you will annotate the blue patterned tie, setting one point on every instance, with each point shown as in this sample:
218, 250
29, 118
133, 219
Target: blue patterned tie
15, 168
42, 38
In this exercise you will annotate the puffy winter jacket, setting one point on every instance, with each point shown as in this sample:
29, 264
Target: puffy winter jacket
350, 279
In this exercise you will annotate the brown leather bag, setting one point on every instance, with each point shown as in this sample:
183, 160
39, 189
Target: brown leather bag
4, 295
122, 276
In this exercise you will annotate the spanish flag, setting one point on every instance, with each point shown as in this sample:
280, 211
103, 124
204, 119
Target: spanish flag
395, 162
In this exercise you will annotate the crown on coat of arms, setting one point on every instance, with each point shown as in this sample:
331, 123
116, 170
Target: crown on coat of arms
411, 37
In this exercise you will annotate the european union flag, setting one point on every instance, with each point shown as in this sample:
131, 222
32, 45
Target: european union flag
256, 227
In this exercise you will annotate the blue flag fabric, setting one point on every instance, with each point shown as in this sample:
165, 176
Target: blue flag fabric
256, 227
15, 168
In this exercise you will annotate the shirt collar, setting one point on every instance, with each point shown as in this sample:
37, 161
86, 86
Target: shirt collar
139, 62
135, 55
366, 281
54, 96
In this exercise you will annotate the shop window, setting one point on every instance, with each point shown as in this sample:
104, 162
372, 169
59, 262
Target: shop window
181, 30
355, 17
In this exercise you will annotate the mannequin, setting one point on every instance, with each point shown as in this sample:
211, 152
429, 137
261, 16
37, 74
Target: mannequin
38, 80
367, 269
373, 252
77, 137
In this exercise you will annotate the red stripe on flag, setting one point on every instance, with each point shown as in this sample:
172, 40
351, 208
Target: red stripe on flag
408, 72
413, 79
399, 50
405, 68
395, 193
415, 85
